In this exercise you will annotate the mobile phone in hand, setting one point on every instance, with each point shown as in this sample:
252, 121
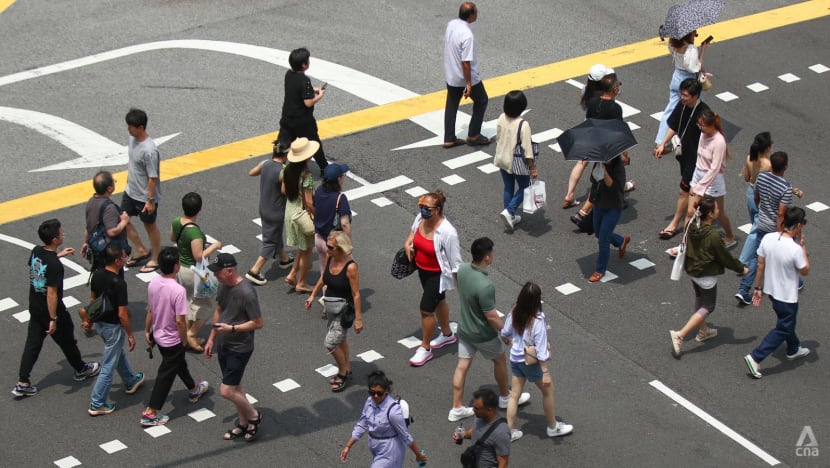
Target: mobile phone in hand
324, 85
708, 40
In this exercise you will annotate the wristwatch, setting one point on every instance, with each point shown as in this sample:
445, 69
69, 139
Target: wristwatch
53, 319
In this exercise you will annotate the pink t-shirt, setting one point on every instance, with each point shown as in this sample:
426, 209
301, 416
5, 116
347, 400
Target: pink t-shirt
711, 159
166, 299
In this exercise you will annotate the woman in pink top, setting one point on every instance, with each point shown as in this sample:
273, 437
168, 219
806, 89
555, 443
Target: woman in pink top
712, 154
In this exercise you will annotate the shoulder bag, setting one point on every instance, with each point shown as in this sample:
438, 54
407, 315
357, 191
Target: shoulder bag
101, 307
519, 163
469, 457
302, 218
335, 223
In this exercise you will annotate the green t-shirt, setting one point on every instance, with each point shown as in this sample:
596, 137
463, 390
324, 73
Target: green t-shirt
477, 295
191, 232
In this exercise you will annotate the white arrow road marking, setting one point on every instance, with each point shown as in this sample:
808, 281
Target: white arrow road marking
68, 283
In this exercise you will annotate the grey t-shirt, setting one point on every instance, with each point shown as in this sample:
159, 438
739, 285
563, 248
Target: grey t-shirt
497, 443
143, 165
237, 305
271, 199
111, 218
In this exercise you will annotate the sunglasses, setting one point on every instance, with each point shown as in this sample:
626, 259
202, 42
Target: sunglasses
330, 247
427, 207
376, 393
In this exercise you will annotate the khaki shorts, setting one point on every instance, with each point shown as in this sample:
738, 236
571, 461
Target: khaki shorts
489, 349
198, 308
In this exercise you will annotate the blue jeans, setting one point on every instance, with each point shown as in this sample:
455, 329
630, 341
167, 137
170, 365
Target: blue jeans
784, 331
605, 220
749, 257
114, 360
512, 200
674, 98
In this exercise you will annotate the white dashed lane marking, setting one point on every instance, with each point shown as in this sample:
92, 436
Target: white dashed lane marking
567, 289
817, 206
157, 431
370, 356
251, 399
202, 414
416, 191
757, 87
287, 385
113, 446
67, 462
488, 168
609, 276
410, 342
328, 370
818, 68
642, 264
788, 78
7, 303
726, 96
745, 228
453, 179
382, 201
22, 317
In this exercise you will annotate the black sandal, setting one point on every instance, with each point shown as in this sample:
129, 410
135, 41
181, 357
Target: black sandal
333, 380
339, 383
250, 434
231, 435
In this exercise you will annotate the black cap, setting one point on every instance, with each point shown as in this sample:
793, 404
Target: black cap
223, 260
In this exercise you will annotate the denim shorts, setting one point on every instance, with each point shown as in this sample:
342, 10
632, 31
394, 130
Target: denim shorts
531, 373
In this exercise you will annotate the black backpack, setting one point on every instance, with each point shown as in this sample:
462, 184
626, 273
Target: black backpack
469, 457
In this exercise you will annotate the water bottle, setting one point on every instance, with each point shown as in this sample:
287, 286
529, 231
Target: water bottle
459, 434
422, 463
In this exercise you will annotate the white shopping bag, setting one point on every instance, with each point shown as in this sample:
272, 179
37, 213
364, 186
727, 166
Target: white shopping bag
534, 197
205, 284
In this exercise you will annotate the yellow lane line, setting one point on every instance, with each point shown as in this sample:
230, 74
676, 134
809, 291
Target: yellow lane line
377, 116
5, 4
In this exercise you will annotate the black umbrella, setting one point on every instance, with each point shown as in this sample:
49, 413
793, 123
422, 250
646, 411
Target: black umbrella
684, 18
596, 140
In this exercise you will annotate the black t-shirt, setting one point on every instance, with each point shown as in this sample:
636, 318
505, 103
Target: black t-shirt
45, 270
603, 109
105, 281
297, 89
686, 128
610, 198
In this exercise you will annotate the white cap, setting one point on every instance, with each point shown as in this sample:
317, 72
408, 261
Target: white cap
599, 71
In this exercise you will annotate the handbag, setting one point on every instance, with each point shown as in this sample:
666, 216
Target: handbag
303, 219
534, 197
335, 223
680, 258
101, 307
705, 79
519, 163
205, 284
401, 265
469, 457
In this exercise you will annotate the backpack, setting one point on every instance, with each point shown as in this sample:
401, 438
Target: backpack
98, 239
469, 457
407, 416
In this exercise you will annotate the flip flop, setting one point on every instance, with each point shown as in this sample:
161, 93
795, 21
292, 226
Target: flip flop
148, 268
302, 290
136, 261
569, 204
453, 144
667, 234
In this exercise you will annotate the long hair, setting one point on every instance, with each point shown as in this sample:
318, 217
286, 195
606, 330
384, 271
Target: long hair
761, 144
528, 305
291, 179
710, 118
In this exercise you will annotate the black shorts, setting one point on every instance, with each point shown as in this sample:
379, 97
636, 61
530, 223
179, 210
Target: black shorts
232, 365
431, 283
687, 170
136, 208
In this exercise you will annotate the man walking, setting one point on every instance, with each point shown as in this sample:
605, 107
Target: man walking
143, 192
463, 77
478, 329
783, 257
113, 326
166, 326
236, 317
683, 122
48, 315
297, 118
491, 430
101, 210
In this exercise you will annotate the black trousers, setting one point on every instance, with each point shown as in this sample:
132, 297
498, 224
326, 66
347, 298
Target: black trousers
173, 363
290, 131
454, 94
64, 336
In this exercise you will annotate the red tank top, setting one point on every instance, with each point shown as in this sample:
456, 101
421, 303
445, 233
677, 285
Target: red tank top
425, 257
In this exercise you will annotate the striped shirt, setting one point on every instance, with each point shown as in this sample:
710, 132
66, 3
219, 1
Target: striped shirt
772, 191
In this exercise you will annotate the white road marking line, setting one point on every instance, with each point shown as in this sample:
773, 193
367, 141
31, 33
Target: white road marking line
467, 159
788, 78
488, 168
327, 371
757, 87
68, 283
201, 414
547, 135
818, 68
712, 421
726, 96
67, 462
416, 191
7, 303
286, 385
22, 316
382, 186
641, 263
259, 237
251, 399
410, 342
453, 179
382, 201
609, 276
632, 125
746, 228
113, 446
817, 206
147, 277
210, 239
70, 301
370, 356
157, 431
567, 289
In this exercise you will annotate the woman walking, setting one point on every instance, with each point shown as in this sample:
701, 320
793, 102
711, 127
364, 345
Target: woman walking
706, 258
511, 129
383, 420
437, 257
298, 187
342, 280
525, 327
331, 207
607, 196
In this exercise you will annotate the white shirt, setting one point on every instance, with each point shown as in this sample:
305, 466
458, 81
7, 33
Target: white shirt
447, 250
688, 61
460, 46
782, 260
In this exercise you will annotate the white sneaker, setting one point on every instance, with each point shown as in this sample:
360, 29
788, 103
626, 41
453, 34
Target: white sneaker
420, 357
457, 414
516, 219
798, 354
560, 429
515, 435
504, 400
754, 367
442, 340
508, 220
676, 343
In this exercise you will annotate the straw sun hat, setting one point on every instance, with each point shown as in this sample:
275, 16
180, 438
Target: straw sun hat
302, 149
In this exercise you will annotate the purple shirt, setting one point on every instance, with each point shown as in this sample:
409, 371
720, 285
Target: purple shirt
388, 438
166, 299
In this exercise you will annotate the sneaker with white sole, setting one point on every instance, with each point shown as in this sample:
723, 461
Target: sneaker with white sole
753, 367
457, 414
255, 278
91, 369
515, 435
157, 419
676, 343
507, 218
420, 357
106, 408
743, 298
516, 219
24, 390
201, 389
443, 340
131, 389
708, 334
560, 429
504, 400
800, 353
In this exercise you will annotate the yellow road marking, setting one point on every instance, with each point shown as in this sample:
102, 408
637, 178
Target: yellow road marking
377, 116
5, 4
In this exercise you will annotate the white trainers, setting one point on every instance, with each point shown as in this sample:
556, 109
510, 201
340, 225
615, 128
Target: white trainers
708, 334
676, 343
457, 414
516, 219
442, 340
798, 354
560, 429
504, 400
420, 357
507, 218
754, 367
515, 435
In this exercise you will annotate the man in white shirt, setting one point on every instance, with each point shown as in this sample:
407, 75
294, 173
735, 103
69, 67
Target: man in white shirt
463, 78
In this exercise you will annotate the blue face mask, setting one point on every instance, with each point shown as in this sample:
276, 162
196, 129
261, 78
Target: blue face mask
426, 213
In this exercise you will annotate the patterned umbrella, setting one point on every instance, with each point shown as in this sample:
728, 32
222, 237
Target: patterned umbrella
684, 18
